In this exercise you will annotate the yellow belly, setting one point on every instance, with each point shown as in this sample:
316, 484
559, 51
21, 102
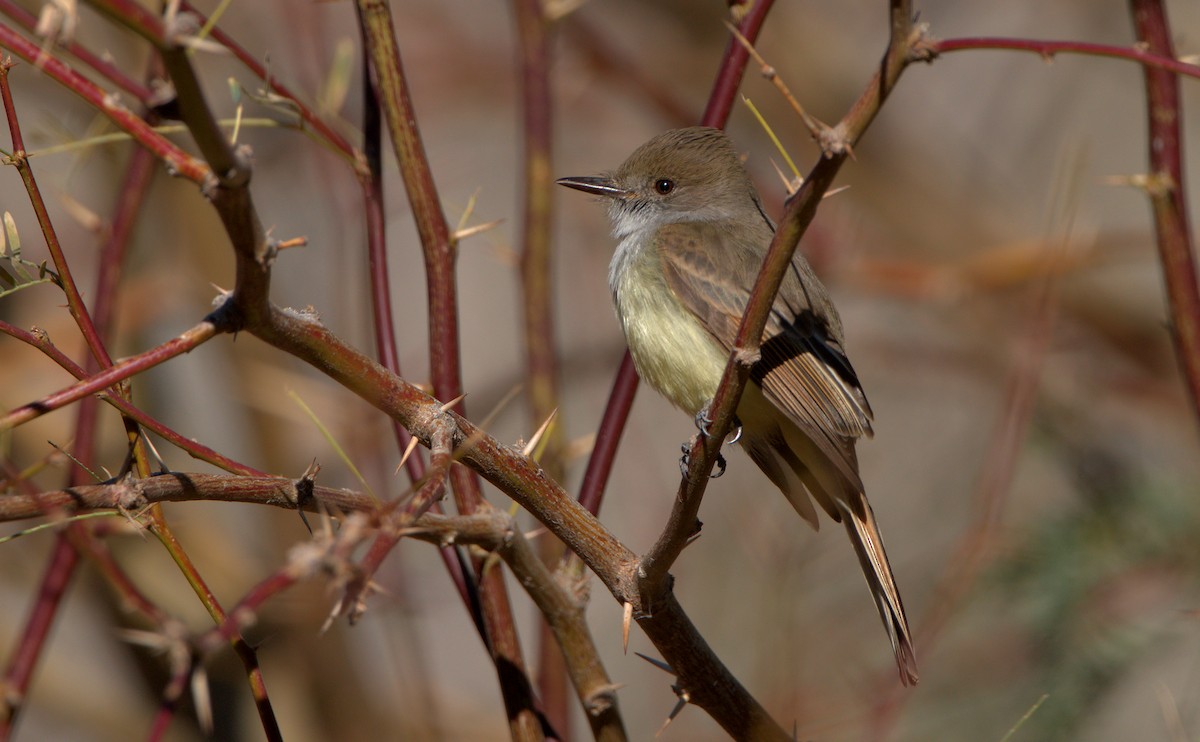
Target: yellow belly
671, 350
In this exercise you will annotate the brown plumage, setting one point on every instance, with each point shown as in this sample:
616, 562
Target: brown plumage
692, 240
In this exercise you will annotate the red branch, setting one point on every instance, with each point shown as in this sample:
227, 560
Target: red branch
1048, 49
1168, 198
176, 159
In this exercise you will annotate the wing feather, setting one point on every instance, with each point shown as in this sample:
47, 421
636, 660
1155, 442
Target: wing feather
803, 370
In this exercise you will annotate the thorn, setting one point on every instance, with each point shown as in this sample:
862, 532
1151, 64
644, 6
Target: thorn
683, 701
359, 609
77, 462
162, 465
466, 232
680, 692
626, 620
790, 185
833, 141
536, 533
334, 614
408, 450
293, 242
532, 445
1154, 184
657, 663
601, 699
222, 294
466, 215
814, 126
452, 403
202, 698
237, 124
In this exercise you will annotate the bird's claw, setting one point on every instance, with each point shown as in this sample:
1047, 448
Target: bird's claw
703, 421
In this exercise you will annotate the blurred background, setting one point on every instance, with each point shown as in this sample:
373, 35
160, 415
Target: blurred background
1034, 467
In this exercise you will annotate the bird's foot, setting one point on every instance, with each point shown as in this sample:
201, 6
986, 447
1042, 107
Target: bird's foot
703, 421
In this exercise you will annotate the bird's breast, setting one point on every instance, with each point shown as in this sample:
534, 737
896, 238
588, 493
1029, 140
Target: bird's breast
671, 349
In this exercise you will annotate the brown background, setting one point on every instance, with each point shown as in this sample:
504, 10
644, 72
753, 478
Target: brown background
981, 168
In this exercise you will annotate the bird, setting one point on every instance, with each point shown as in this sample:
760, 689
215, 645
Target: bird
691, 236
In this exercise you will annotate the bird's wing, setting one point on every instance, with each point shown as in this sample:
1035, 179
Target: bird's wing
803, 369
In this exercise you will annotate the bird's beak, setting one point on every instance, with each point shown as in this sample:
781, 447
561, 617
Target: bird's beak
595, 184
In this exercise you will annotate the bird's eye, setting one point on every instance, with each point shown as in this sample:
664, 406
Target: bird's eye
664, 186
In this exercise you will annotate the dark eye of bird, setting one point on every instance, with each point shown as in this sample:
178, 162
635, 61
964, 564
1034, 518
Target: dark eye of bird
664, 186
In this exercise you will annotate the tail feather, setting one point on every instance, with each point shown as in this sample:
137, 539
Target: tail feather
868, 544
800, 470
785, 475
852, 509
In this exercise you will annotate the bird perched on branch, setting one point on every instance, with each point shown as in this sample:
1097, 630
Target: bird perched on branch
692, 235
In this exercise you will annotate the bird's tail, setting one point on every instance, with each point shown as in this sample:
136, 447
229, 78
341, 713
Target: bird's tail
844, 501
868, 544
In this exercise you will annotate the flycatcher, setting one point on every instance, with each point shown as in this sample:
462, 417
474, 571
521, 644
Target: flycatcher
692, 235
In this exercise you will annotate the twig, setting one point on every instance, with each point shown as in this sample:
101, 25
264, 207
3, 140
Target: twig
186, 342
371, 181
1167, 192
178, 161
191, 447
395, 525
733, 66
490, 529
324, 130
158, 526
106, 68
230, 175
1156, 58
537, 307
18, 159
565, 615
537, 296
814, 126
52, 586
440, 252
168, 36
